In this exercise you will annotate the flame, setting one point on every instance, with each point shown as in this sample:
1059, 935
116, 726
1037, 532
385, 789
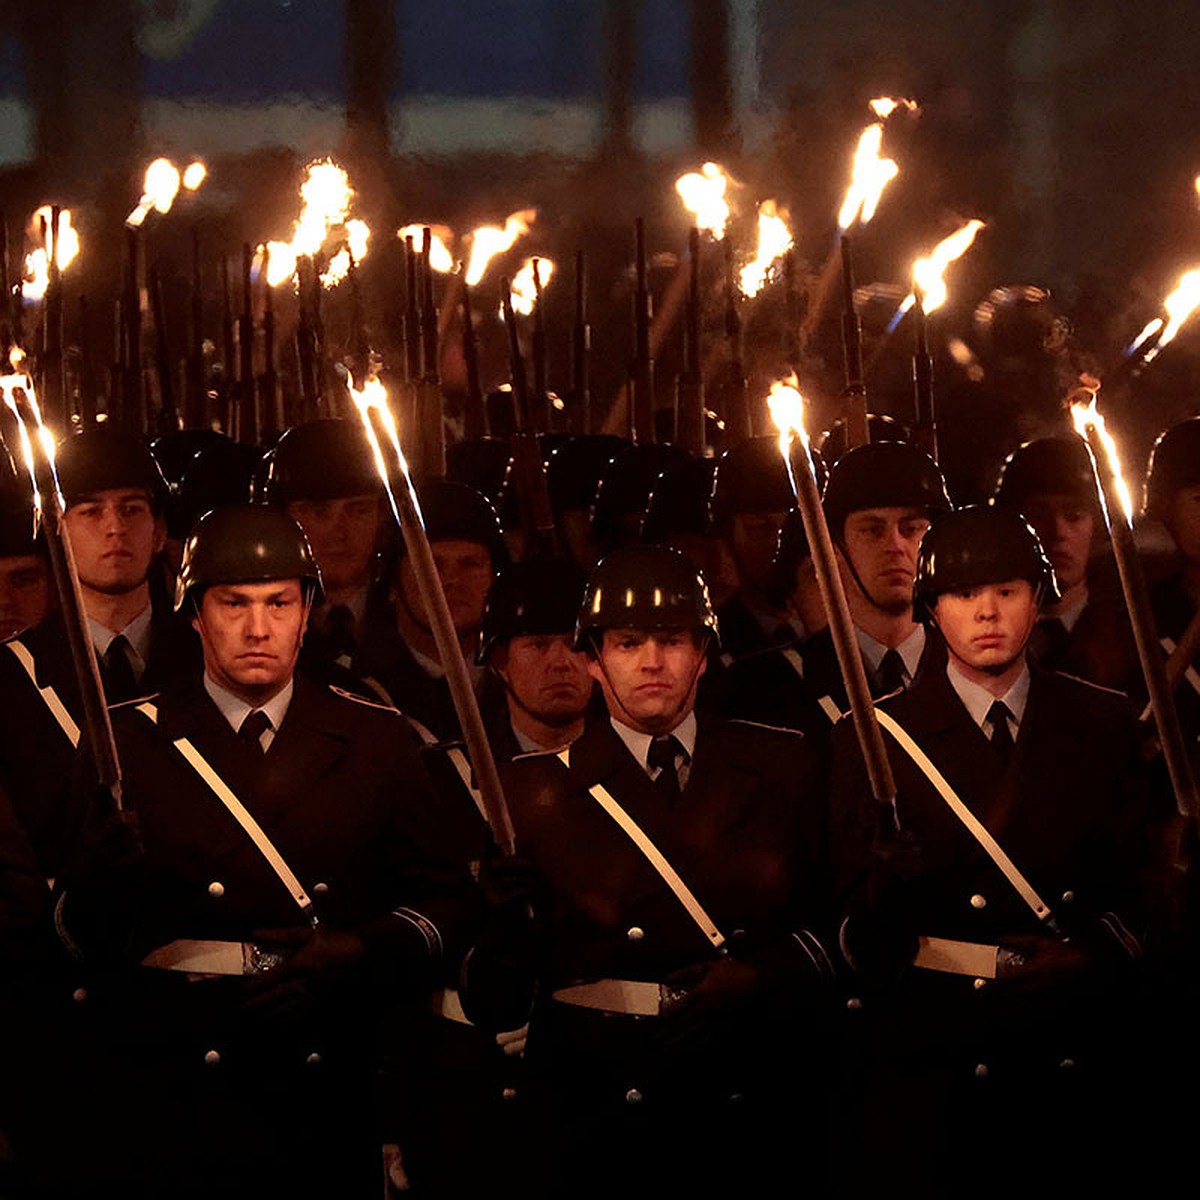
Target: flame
10, 385
786, 406
884, 106
1178, 306
774, 241
869, 176
522, 289
1088, 420
281, 263
195, 175
440, 236
703, 195
37, 263
159, 189
487, 241
373, 395
928, 272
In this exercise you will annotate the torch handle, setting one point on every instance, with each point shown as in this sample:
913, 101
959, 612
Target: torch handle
581, 347
926, 423
857, 428
475, 417
416, 542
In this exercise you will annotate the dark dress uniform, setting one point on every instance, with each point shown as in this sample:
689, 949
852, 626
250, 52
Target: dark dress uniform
217, 1088
973, 1073
624, 1104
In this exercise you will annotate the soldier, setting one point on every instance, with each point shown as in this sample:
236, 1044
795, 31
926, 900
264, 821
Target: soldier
997, 933
1051, 483
682, 856
878, 502
286, 890
115, 496
573, 473
24, 571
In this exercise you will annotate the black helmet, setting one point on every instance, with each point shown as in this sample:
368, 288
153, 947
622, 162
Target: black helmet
882, 475
1020, 322
246, 543
978, 545
644, 587
834, 442
1058, 465
1174, 464
454, 511
531, 598
751, 478
18, 534
573, 469
624, 492
679, 502
102, 459
219, 474
321, 460
173, 451
486, 465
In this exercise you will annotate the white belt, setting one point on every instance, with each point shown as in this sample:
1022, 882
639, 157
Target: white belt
58, 710
201, 957
634, 997
957, 958
447, 1003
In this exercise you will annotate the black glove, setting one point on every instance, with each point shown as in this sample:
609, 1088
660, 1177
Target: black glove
316, 964
710, 998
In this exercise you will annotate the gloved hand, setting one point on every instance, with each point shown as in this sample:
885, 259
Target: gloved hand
316, 963
1031, 962
710, 996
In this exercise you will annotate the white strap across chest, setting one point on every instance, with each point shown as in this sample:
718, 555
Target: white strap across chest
58, 710
654, 856
240, 814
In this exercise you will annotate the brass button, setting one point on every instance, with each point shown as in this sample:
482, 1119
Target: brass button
978, 901
981, 1071
216, 889
313, 1059
212, 1058
633, 1096
980, 983
509, 1094
1067, 1064
320, 888
636, 933
854, 1004
1068, 897
79, 995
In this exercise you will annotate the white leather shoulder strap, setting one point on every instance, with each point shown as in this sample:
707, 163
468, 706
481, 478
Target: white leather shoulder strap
52, 700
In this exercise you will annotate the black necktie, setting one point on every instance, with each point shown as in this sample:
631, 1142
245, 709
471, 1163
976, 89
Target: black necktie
120, 683
890, 676
662, 754
253, 727
1002, 738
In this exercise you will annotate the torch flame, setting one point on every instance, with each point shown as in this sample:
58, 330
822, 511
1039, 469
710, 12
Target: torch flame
774, 241
869, 176
37, 264
440, 258
1178, 306
928, 272
1085, 416
884, 106
10, 385
195, 175
786, 406
487, 241
703, 195
373, 395
523, 292
159, 189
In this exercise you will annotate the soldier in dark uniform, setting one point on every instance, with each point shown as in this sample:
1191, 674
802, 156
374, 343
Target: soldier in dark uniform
285, 891
115, 496
878, 502
468, 550
995, 957
24, 570
1051, 483
676, 1036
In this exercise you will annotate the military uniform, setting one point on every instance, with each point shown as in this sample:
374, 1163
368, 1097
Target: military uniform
215, 1085
623, 1102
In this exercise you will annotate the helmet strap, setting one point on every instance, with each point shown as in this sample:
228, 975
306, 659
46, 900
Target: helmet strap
681, 709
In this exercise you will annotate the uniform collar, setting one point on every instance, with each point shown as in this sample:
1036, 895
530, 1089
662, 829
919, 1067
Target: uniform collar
978, 700
638, 743
136, 634
910, 650
235, 710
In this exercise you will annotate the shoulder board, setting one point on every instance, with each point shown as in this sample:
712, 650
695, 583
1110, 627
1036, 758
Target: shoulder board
763, 725
530, 754
121, 705
345, 695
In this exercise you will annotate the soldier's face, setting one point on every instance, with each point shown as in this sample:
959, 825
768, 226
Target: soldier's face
115, 536
1064, 525
753, 539
986, 627
649, 679
24, 592
344, 536
882, 545
1183, 522
251, 634
465, 569
546, 677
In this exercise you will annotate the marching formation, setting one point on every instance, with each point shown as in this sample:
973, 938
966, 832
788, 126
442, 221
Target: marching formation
715, 943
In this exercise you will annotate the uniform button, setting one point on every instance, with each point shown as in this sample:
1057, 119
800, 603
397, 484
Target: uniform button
509, 1094
737, 1098
980, 983
854, 1004
320, 888
79, 995
978, 901
636, 933
313, 1059
212, 1058
1068, 897
633, 1096
1067, 1064
981, 1071
216, 889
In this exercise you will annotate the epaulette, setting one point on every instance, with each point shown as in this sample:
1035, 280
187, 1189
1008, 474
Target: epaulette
763, 725
345, 695
120, 704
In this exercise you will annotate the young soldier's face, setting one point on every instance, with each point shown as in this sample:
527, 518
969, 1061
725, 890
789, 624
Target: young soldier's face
343, 534
251, 634
882, 546
465, 569
1064, 525
115, 536
24, 592
986, 627
1183, 522
546, 677
649, 679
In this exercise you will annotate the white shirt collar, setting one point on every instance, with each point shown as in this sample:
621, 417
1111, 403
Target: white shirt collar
1070, 615
977, 700
235, 710
136, 634
910, 650
639, 743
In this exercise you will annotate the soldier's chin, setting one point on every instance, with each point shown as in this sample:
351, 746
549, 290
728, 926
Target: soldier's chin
114, 587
